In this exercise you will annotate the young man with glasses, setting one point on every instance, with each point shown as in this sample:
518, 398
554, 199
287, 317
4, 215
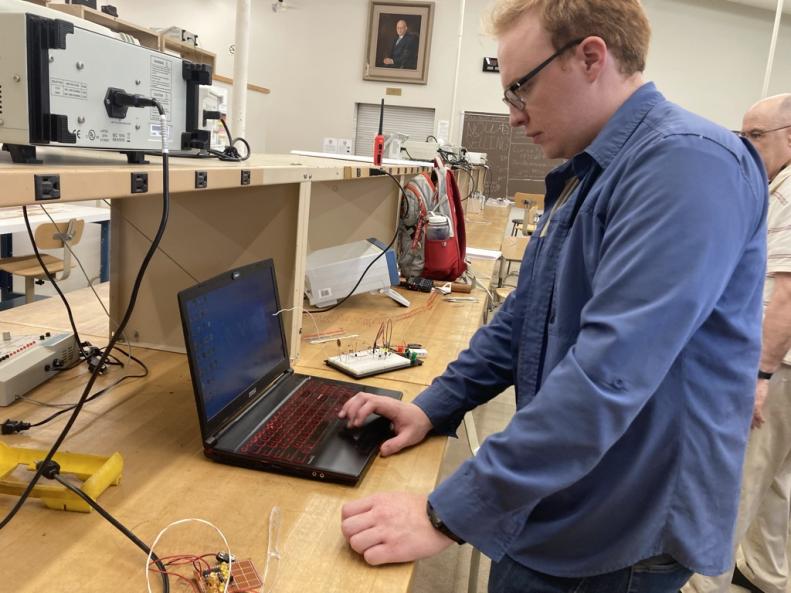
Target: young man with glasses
763, 524
632, 338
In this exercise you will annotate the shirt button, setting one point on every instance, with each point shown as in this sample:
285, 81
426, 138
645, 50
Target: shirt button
618, 383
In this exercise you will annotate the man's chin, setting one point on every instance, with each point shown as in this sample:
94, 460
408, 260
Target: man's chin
550, 151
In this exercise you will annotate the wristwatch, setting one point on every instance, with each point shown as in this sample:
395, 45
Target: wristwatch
437, 524
764, 375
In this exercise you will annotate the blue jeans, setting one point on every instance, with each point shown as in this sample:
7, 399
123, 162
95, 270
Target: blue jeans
660, 574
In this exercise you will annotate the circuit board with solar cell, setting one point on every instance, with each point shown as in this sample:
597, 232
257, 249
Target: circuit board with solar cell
244, 578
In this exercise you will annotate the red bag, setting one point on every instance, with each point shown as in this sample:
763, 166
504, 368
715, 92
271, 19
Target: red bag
432, 240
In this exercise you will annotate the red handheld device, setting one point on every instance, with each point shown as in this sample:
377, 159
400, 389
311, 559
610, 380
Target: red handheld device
379, 140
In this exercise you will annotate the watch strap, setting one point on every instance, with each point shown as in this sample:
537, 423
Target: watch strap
437, 523
764, 375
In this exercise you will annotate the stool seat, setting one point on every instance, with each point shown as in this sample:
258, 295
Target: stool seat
47, 236
502, 292
517, 226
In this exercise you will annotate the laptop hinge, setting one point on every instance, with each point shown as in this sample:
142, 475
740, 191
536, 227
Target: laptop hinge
212, 440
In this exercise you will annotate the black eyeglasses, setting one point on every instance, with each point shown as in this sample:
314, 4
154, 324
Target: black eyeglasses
754, 135
512, 98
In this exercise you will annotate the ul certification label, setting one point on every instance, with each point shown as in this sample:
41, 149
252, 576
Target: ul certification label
71, 89
161, 84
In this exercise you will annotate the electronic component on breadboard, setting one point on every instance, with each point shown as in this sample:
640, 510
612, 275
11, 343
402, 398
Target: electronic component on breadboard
26, 361
372, 361
244, 578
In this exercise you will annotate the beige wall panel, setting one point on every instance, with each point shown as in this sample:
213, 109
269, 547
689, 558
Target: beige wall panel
207, 234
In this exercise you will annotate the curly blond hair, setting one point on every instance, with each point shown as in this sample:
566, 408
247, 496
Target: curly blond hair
621, 23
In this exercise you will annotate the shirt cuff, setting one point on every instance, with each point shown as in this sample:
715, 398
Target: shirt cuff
461, 509
441, 408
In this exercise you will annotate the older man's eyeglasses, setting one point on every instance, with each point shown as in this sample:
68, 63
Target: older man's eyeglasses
511, 95
754, 135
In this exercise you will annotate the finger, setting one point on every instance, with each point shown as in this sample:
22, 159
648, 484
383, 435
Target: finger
362, 413
356, 507
397, 443
355, 524
379, 554
364, 540
379, 404
350, 408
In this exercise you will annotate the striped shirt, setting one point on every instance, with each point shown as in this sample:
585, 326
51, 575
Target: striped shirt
778, 244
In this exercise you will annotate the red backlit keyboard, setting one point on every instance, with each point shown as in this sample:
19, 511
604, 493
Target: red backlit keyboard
300, 424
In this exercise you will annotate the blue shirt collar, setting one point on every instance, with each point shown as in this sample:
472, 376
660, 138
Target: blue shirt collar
610, 139
621, 126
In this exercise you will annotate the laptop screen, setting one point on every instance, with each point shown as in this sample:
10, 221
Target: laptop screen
234, 340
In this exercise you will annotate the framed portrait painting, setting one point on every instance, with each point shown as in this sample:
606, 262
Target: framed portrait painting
399, 41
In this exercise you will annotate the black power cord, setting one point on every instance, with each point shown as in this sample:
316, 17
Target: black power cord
51, 471
15, 426
121, 326
231, 149
389, 245
51, 278
229, 153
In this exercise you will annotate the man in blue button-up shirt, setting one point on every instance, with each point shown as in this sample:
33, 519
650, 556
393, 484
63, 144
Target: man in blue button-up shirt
632, 338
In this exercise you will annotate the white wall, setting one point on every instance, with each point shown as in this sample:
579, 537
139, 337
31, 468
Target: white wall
312, 60
708, 55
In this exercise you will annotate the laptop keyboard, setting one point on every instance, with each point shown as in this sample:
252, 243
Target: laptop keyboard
300, 424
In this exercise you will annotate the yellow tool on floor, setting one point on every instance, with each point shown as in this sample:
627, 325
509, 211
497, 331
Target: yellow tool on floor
97, 473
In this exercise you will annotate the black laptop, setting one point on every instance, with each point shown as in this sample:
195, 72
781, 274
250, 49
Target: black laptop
254, 410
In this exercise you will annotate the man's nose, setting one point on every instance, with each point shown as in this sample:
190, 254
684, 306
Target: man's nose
517, 117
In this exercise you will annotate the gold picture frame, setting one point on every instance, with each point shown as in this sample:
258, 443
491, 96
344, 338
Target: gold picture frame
399, 41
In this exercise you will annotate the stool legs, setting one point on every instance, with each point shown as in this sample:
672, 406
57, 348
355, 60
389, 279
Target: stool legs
29, 286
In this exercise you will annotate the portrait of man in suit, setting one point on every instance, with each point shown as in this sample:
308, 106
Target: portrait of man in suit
403, 53
399, 41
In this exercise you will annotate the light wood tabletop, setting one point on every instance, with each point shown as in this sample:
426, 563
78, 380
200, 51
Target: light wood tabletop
152, 423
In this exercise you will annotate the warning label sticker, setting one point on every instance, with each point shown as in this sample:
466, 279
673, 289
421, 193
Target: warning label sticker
161, 84
71, 89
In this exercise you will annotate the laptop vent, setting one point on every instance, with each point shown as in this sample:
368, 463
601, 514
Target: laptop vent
1, 99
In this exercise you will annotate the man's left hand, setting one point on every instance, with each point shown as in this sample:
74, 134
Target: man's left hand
391, 527
761, 391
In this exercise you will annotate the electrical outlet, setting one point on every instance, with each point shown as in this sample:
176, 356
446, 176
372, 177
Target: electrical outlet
201, 179
139, 183
245, 176
47, 187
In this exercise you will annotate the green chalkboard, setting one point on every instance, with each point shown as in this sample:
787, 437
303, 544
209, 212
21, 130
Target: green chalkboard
516, 164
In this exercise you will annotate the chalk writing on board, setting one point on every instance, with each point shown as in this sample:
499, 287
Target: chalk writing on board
516, 164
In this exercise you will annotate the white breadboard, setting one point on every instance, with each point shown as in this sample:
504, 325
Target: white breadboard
368, 362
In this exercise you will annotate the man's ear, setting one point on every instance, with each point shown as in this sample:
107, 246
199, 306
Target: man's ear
594, 54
